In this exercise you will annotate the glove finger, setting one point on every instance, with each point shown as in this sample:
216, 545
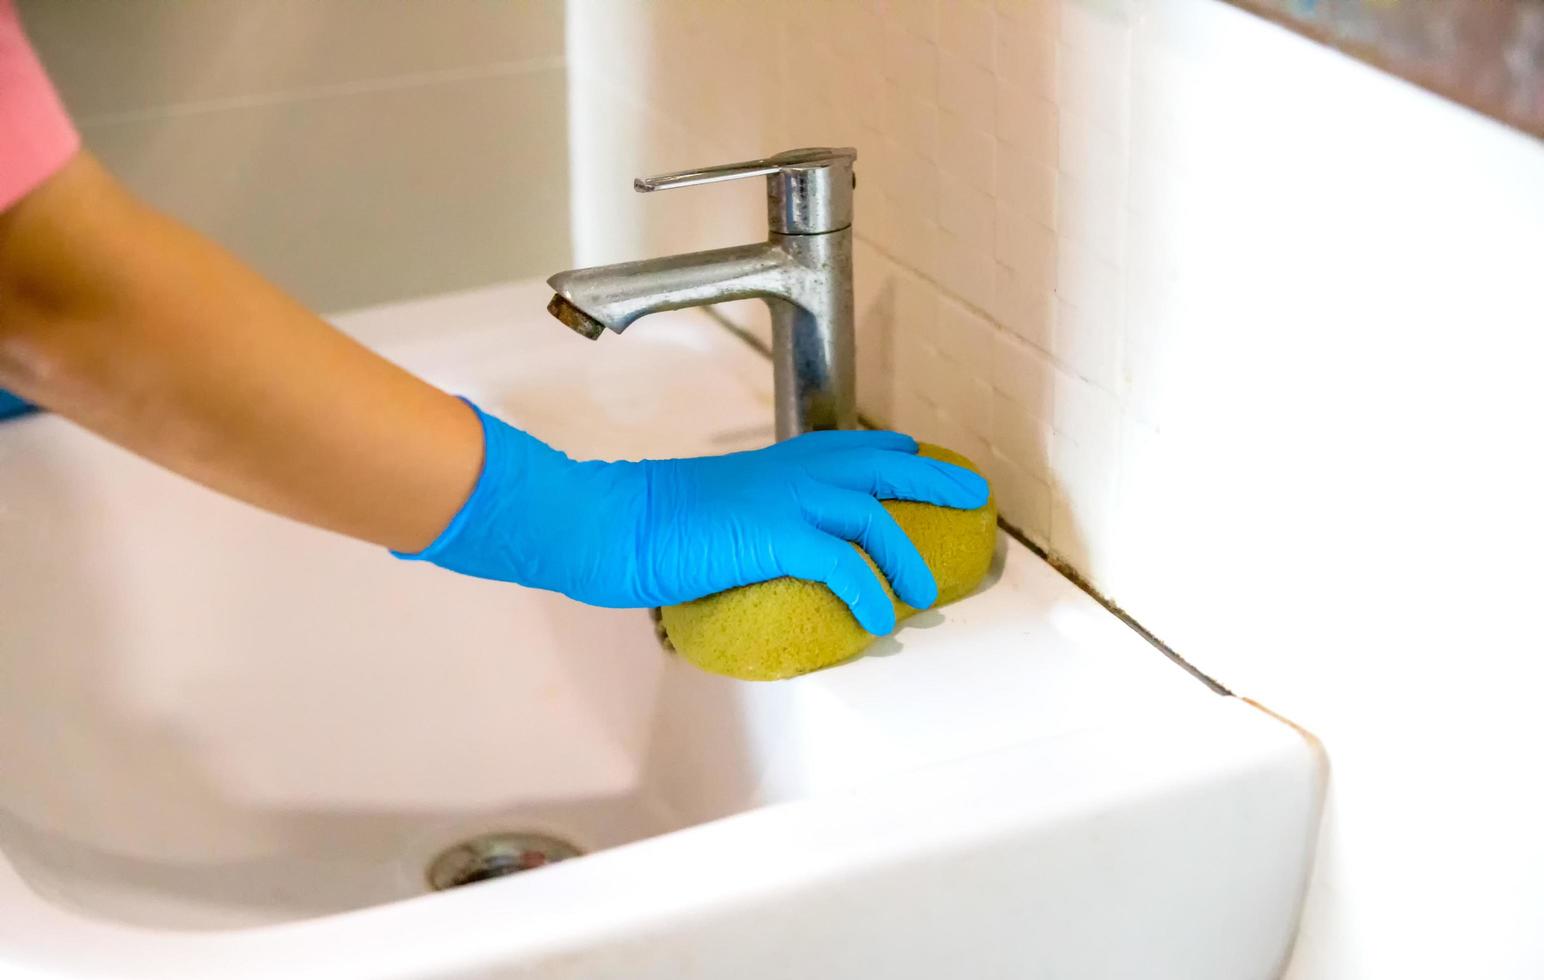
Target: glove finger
818, 557
845, 440
859, 518
900, 476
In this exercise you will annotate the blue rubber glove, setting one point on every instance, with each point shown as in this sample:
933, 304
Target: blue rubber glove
660, 532
11, 405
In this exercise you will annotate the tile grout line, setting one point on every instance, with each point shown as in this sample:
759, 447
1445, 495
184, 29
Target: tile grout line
943, 290
500, 69
954, 297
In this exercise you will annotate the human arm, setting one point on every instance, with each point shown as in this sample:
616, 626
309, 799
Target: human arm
149, 334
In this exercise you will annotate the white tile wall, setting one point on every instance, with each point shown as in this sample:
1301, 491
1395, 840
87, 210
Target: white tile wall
1246, 331
355, 151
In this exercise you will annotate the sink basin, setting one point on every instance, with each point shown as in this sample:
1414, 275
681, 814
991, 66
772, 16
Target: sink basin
233, 745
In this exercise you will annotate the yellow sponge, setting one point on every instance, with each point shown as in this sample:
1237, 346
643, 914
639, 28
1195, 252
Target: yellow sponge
787, 626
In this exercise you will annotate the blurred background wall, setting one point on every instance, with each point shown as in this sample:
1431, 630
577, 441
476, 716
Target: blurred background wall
355, 151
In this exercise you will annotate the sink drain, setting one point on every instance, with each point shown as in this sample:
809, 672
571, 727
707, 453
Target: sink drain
494, 856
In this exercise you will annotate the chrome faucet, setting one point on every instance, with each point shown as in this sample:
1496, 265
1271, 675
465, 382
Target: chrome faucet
803, 271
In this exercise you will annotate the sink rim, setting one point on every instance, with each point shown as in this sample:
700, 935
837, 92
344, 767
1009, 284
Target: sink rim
553, 911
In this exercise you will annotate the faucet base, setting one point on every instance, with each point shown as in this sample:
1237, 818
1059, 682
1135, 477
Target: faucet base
813, 356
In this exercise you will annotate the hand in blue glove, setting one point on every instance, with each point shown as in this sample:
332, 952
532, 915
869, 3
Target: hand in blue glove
660, 532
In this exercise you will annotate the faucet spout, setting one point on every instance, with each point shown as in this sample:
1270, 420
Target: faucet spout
616, 295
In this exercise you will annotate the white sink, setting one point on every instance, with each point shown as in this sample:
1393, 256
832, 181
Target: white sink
231, 744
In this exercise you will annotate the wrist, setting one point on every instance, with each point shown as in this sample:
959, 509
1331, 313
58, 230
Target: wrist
491, 534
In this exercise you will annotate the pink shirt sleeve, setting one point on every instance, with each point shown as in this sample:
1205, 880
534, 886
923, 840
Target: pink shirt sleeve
36, 137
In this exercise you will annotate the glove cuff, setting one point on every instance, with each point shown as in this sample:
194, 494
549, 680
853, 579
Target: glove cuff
510, 458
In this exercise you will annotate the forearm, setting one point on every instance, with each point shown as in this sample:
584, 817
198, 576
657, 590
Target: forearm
150, 335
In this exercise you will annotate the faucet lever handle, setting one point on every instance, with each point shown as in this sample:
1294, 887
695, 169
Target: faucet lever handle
810, 191
705, 175
819, 156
